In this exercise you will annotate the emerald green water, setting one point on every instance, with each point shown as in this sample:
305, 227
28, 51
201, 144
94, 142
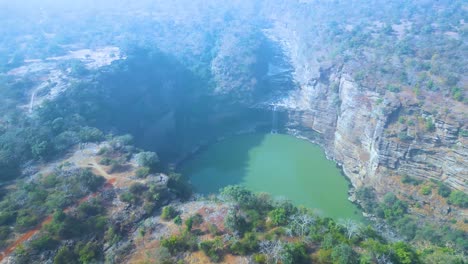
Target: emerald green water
281, 165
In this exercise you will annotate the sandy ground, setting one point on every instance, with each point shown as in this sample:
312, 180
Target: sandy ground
50, 81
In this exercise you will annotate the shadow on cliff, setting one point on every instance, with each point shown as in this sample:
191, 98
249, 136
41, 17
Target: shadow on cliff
167, 107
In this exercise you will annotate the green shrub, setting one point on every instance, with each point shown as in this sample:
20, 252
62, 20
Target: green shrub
235, 222
441, 255
297, 253
128, 197
260, 258
392, 208
66, 256
426, 190
213, 249
168, 213
189, 224
240, 195
26, 220
403, 254
137, 188
50, 181
4, 232
367, 198
443, 190
278, 216
180, 243
89, 252
147, 159
197, 219
7, 218
406, 226
103, 151
430, 126
179, 186
404, 136
194, 220
90, 180
90, 208
457, 93
459, 198
463, 133
247, 245
178, 220
410, 180
90, 134
344, 254
142, 172
44, 242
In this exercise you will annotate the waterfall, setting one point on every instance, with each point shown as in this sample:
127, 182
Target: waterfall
274, 121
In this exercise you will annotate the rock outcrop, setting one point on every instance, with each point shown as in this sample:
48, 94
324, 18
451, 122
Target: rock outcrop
358, 128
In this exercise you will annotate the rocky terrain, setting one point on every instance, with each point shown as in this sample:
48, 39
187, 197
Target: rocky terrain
361, 132
382, 87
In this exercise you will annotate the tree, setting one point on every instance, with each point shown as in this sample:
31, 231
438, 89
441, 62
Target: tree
89, 180
239, 195
366, 196
178, 185
4, 232
406, 226
299, 224
88, 253
296, 253
121, 141
459, 198
443, 190
142, 172
41, 150
278, 216
273, 250
137, 188
352, 228
44, 242
235, 222
65, 256
248, 244
392, 208
178, 220
147, 159
189, 224
430, 126
90, 134
176, 243
344, 254
168, 213
404, 254
213, 248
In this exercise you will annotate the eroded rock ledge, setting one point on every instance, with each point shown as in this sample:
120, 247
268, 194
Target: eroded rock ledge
359, 128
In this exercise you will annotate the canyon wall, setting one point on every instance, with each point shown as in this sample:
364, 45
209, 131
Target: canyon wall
359, 128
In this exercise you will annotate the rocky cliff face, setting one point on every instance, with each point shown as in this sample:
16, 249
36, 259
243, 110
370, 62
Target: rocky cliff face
359, 128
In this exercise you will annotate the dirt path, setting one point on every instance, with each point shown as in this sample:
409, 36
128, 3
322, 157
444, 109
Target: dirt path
82, 158
25, 237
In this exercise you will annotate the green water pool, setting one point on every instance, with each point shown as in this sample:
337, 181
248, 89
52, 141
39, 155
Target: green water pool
282, 165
